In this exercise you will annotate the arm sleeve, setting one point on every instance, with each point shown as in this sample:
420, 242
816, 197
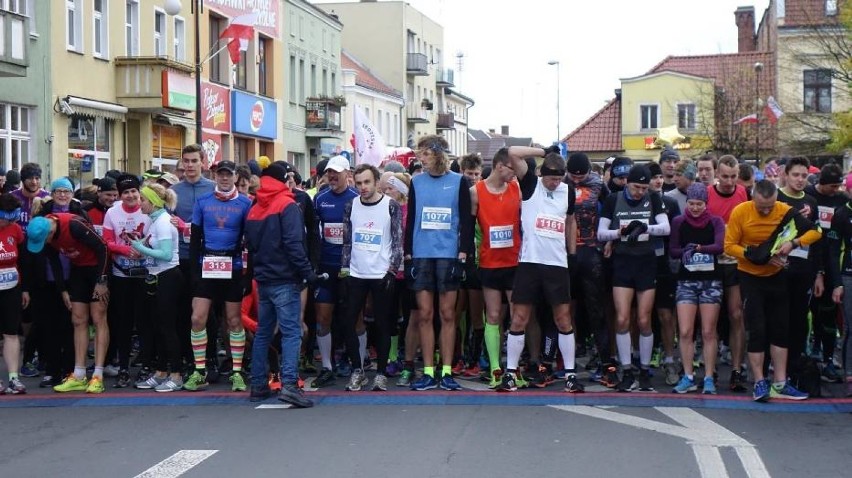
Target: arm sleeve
465, 219
162, 250
675, 247
83, 232
604, 232
396, 236
812, 232
661, 228
408, 245
529, 182
718, 245
293, 239
346, 257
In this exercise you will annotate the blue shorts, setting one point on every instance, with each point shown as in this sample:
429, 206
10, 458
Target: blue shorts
697, 292
437, 275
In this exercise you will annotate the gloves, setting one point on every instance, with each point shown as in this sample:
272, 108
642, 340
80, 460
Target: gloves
639, 228
388, 281
554, 148
626, 230
688, 251
313, 279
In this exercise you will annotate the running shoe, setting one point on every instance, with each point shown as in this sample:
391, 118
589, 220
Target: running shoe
71, 384
645, 381
275, 382
521, 380
306, 365
96, 385
29, 370
542, 377
196, 382
357, 380
610, 376
670, 371
292, 394
425, 382
685, 385
150, 383
325, 377
507, 383
709, 386
458, 368
49, 381
628, 382
145, 373
259, 394
830, 374
111, 370
449, 383
786, 392
343, 369
596, 375
761, 390
238, 383
573, 385
122, 380
393, 369
380, 383
738, 382
169, 385
655, 358
15, 387
405, 378
472, 372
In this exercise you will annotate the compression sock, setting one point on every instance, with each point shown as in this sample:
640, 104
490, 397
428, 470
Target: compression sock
622, 341
567, 347
393, 354
514, 349
362, 346
646, 348
492, 345
324, 343
238, 347
199, 348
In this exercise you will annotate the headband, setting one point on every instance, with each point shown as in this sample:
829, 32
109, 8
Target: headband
621, 170
545, 171
152, 197
397, 184
12, 216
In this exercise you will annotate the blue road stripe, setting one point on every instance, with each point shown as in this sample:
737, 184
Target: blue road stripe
332, 398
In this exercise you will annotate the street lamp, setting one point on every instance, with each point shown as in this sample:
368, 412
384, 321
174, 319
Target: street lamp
558, 129
758, 67
173, 7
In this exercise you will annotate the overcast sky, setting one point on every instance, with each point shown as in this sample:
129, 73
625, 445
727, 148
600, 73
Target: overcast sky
508, 43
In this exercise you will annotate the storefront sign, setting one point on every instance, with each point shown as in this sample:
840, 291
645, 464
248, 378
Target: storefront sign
215, 107
253, 115
267, 12
178, 91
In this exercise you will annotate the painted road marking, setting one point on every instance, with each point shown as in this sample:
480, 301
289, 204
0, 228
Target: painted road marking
177, 464
705, 436
273, 406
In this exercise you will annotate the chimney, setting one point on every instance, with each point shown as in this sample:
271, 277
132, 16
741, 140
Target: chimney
745, 29
504, 130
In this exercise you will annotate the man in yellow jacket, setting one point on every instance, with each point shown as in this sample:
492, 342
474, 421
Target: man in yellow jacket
761, 233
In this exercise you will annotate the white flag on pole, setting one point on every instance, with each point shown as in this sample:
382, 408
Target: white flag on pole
369, 144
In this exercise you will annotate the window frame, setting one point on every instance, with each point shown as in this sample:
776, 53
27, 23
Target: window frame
74, 8
656, 119
816, 86
10, 137
161, 38
830, 8
131, 26
102, 18
693, 117
179, 38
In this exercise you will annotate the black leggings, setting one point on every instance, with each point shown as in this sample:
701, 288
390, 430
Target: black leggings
161, 299
798, 292
51, 316
824, 312
588, 282
127, 298
358, 290
766, 310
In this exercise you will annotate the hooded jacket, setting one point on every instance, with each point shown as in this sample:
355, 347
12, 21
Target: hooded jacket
275, 236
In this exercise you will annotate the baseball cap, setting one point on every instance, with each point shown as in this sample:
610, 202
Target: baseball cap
170, 178
37, 232
152, 174
226, 165
338, 163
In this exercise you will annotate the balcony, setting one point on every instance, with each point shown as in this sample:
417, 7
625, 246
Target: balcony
417, 64
154, 84
445, 121
14, 37
417, 113
444, 78
322, 118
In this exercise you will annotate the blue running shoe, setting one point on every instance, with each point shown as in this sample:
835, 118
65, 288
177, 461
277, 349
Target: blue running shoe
449, 383
761, 390
787, 392
709, 386
425, 382
29, 370
343, 369
685, 385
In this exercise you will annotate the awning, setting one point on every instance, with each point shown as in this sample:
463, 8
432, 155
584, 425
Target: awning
176, 120
89, 107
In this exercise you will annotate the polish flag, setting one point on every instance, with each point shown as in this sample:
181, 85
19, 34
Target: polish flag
772, 110
752, 118
239, 33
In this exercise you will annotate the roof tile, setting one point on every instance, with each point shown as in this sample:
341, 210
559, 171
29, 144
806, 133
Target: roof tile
365, 78
601, 132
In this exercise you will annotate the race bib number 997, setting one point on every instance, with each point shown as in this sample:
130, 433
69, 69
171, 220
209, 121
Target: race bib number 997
332, 232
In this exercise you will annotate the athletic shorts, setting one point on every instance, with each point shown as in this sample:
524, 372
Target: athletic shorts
534, 282
634, 272
10, 310
500, 278
81, 283
437, 275
699, 292
229, 290
326, 291
730, 275
472, 277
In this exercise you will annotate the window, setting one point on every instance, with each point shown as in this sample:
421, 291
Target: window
292, 25
99, 27
301, 28
830, 7
649, 116
217, 24
263, 53
159, 33
686, 116
15, 136
324, 47
387, 132
302, 96
17, 6
394, 134
241, 150
74, 25
241, 71
131, 28
313, 80
379, 124
88, 148
324, 82
817, 91
333, 83
292, 79
180, 34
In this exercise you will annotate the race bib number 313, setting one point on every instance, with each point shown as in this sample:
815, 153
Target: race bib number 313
216, 267
436, 218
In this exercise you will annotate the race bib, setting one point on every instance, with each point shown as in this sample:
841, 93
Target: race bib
642, 237
99, 230
216, 267
501, 237
124, 262
439, 218
187, 234
550, 226
726, 259
367, 240
800, 252
826, 213
332, 232
8, 278
700, 263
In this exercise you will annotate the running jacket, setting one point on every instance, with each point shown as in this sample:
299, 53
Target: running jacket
187, 194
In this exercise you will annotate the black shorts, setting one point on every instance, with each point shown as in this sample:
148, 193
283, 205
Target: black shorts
10, 310
81, 283
730, 275
500, 278
436, 275
328, 291
229, 290
634, 272
472, 277
666, 285
536, 281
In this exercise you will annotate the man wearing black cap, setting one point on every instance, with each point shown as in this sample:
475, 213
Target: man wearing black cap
630, 218
668, 158
30, 190
107, 194
618, 173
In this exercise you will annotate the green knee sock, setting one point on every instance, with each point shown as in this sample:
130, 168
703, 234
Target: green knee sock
492, 345
393, 355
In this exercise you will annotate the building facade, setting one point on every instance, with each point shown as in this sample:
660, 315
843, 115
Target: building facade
452, 119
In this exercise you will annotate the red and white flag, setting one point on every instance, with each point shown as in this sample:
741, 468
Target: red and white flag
239, 33
369, 144
772, 110
752, 118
